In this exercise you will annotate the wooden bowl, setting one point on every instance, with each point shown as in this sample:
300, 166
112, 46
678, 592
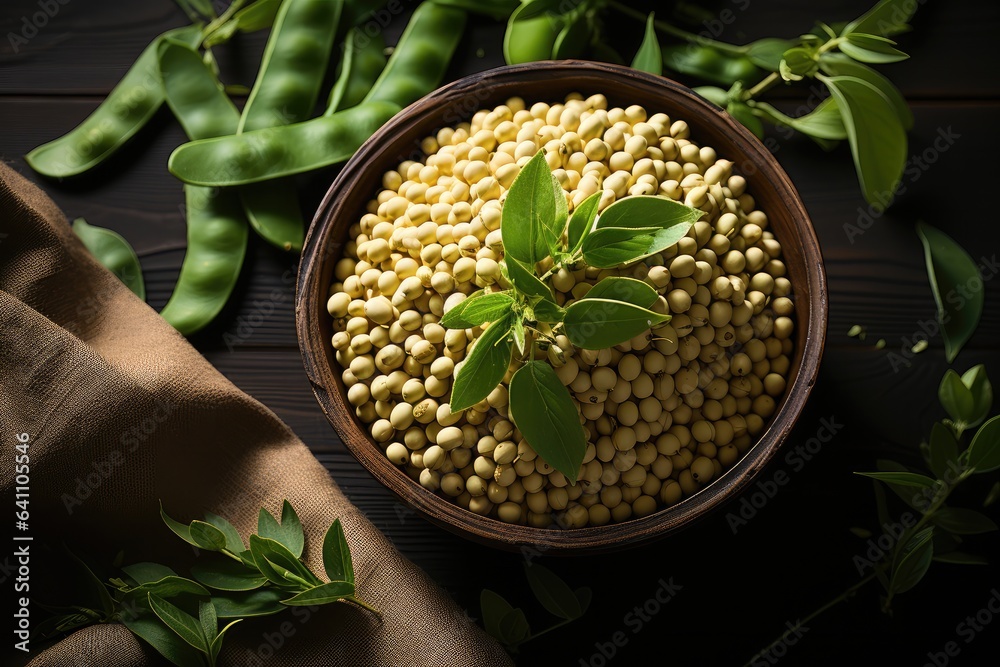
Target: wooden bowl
400, 138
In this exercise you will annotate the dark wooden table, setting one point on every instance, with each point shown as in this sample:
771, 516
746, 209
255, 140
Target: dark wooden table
738, 590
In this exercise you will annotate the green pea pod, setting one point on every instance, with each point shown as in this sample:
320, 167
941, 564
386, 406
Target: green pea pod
128, 107
217, 230
286, 89
709, 64
420, 59
530, 40
262, 155
114, 252
360, 66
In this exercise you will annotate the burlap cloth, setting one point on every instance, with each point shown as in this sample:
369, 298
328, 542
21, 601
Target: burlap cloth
94, 376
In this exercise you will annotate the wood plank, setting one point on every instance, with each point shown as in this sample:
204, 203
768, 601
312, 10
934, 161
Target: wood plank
105, 38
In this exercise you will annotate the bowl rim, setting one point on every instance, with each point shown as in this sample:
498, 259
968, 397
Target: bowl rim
310, 298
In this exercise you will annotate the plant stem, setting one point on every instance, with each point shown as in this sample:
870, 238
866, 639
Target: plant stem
764, 84
234, 6
361, 603
670, 29
843, 597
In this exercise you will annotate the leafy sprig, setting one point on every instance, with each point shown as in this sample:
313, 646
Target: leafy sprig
537, 231
185, 620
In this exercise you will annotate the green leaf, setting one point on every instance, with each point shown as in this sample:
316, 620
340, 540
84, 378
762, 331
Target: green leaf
479, 308
281, 560
322, 594
114, 252
746, 117
960, 558
524, 281
261, 602
611, 246
955, 397
543, 410
151, 629
943, 450
179, 529
547, 311
984, 452
557, 597
825, 121
208, 620
514, 628
902, 478
620, 288
912, 562
871, 49
494, 609
289, 532
234, 543
182, 623
961, 521
216, 644
207, 536
529, 225
876, 135
767, 53
144, 573
582, 222
797, 63
643, 211
713, 94
168, 587
837, 64
594, 324
484, 367
226, 574
888, 17
649, 58
337, 554
982, 393
518, 335
951, 273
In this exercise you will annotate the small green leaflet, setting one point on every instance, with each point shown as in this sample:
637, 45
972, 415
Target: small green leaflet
337, 554
518, 334
961, 521
554, 594
982, 393
207, 536
797, 63
612, 246
594, 324
261, 602
875, 132
479, 308
649, 58
984, 452
543, 410
322, 594
888, 17
837, 64
227, 575
943, 450
524, 281
825, 121
184, 624
288, 532
514, 628
643, 211
234, 543
167, 643
903, 478
766, 53
534, 213
582, 221
216, 644
208, 620
871, 49
144, 573
114, 252
912, 562
179, 529
949, 268
485, 365
620, 288
956, 398
168, 587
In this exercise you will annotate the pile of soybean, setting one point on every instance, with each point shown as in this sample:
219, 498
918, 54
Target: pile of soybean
666, 413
